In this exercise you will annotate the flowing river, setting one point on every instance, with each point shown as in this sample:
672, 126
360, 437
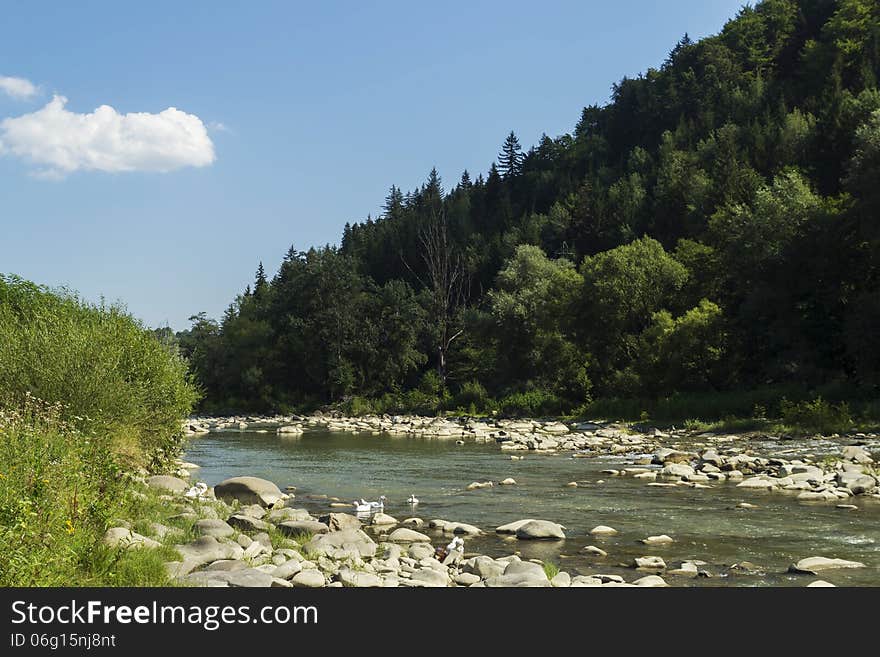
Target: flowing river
706, 524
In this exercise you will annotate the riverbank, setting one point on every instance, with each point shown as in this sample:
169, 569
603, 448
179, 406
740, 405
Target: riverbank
322, 535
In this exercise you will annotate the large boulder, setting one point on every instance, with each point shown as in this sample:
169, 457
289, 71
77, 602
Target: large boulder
540, 529
167, 483
248, 490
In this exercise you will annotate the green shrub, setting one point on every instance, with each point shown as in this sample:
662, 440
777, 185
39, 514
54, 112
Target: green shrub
472, 395
356, 406
532, 403
111, 376
816, 415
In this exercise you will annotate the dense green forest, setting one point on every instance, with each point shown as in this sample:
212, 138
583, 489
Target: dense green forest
714, 229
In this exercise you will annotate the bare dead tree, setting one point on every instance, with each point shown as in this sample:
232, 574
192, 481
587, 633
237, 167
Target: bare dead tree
446, 278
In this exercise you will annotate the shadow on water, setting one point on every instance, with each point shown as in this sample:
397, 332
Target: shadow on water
707, 525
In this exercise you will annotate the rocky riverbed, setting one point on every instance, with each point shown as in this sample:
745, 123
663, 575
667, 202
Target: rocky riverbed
248, 532
679, 457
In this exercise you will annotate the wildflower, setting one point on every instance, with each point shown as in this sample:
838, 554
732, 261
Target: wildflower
70, 528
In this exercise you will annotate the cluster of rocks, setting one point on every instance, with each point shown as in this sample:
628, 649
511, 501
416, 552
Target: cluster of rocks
830, 479
248, 533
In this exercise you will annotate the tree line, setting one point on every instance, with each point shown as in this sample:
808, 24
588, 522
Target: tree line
713, 228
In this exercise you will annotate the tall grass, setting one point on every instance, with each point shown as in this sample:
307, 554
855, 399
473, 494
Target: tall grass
112, 377
87, 395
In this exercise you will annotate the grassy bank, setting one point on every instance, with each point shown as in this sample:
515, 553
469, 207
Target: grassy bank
88, 398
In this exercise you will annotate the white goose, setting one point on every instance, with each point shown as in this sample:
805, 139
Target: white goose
362, 506
412, 500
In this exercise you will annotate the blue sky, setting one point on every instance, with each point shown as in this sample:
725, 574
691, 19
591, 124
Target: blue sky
294, 118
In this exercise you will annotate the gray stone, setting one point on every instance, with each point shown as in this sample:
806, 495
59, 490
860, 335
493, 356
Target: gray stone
561, 580
382, 519
248, 523
338, 543
483, 566
338, 521
603, 530
857, 483
120, 537
430, 577
652, 581
254, 511
583, 581
520, 574
299, 528
662, 539
593, 550
686, 569
511, 527
677, 470
405, 535
308, 579
244, 578
820, 583
215, 528
466, 579
227, 565
649, 563
358, 579
420, 551
540, 529
167, 483
248, 490
286, 514
205, 550
813, 565
856, 454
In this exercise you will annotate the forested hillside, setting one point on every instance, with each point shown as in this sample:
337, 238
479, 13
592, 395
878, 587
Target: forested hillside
714, 228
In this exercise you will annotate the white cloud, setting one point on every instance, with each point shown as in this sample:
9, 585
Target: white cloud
18, 88
59, 141
217, 126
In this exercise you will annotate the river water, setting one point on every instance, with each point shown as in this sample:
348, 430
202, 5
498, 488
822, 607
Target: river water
706, 524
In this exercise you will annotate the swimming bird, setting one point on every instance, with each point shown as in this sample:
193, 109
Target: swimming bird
362, 506
198, 490
413, 500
